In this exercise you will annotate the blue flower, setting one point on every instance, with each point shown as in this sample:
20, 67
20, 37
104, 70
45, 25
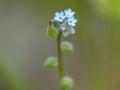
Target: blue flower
59, 16
65, 21
72, 30
69, 13
72, 21
63, 26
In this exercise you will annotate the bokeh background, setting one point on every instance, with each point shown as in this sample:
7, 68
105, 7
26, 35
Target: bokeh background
95, 63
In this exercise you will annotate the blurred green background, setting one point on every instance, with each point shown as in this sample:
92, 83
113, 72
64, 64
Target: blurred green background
95, 63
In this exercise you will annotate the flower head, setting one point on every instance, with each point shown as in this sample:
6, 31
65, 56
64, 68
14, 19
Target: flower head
59, 16
69, 13
72, 21
63, 26
65, 21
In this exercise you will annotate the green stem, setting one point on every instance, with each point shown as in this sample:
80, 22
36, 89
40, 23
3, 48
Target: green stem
60, 63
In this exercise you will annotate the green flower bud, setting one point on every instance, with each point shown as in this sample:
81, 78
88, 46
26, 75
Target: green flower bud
66, 33
56, 25
66, 82
52, 32
67, 47
51, 62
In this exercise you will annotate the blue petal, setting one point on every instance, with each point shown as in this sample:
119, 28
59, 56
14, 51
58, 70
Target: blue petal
57, 14
62, 13
72, 18
72, 13
73, 24
69, 10
55, 18
75, 20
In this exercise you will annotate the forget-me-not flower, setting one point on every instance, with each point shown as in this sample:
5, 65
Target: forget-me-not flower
72, 21
63, 27
59, 16
69, 13
65, 21
72, 30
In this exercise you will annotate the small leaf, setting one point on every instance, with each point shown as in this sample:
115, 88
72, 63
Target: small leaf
52, 32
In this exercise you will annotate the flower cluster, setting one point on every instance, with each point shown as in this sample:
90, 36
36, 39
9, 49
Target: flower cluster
66, 21
63, 23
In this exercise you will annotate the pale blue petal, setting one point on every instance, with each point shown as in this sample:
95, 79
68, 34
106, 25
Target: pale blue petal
73, 24
72, 14
62, 13
72, 18
56, 18
57, 14
69, 10
75, 21
65, 11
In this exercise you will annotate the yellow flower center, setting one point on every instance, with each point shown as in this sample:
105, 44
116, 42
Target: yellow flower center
70, 21
60, 18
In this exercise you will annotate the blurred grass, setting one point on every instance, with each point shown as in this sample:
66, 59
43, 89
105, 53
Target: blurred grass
11, 75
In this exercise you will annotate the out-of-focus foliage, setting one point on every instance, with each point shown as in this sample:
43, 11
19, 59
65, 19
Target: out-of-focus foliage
109, 7
12, 77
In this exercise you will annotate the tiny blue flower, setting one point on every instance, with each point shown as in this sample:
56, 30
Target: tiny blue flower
65, 21
63, 26
72, 21
59, 16
69, 13
72, 30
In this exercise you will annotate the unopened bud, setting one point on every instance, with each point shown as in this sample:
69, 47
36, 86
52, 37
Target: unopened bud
67, 82
67, 47
51, 62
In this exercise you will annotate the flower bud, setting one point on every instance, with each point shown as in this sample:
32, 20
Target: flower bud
66, 82
67, 47
56, 25
52, 32
50, 22
66, 33
51, 62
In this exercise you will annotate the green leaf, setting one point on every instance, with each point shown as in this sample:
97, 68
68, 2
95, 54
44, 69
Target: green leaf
52, 32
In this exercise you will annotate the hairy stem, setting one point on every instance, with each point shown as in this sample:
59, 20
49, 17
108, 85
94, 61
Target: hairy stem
60, 63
